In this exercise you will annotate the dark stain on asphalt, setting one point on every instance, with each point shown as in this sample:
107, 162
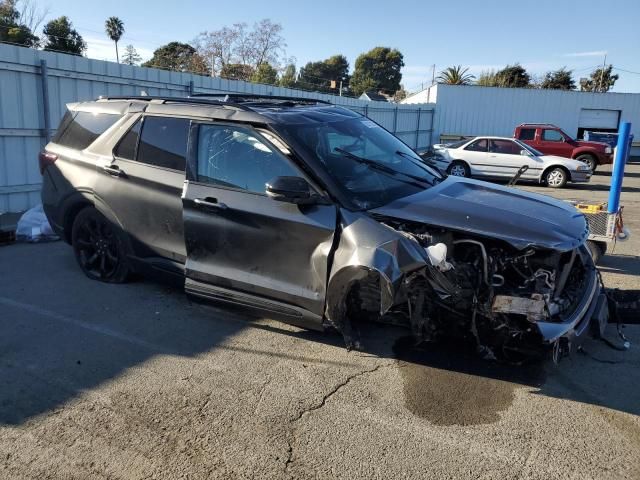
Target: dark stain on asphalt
448, 384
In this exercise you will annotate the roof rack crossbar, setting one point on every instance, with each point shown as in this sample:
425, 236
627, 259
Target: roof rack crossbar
200, 101
257, 96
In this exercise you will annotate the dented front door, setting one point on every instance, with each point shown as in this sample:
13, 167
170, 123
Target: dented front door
237, 238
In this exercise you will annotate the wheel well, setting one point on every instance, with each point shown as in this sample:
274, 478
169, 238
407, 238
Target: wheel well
70, 217
588, 154
552, 167
457, 160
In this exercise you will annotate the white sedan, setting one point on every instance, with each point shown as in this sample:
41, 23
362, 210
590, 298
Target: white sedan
502, 157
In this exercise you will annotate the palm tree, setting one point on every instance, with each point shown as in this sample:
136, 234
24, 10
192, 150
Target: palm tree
114, 28
455, 75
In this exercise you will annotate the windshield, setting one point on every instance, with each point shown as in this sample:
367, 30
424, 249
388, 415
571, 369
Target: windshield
457, 144
371, 165
524, 146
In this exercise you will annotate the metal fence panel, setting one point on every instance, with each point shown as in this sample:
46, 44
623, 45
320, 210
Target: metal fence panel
70, 78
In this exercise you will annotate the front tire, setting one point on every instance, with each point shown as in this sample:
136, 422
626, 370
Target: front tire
459, 169
556, 177
589, 160
99, 248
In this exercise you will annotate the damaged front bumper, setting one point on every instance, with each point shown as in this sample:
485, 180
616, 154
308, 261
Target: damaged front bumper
591, 315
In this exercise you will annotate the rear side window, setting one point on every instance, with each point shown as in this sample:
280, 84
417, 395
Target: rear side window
163, 142
83, 128
478, 146
129, 143
527, 134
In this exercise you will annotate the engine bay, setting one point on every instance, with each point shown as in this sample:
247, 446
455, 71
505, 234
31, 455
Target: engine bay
487, 290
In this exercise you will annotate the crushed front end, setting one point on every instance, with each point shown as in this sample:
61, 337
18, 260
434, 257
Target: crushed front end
511, 302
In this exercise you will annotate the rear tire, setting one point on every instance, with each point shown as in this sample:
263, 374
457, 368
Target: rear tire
597, 250
99, 247
589, 160
459, 169
556, 177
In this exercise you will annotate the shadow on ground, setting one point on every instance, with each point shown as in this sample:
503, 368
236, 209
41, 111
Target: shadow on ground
63, 335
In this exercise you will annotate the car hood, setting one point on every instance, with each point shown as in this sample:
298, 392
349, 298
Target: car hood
595, 145
519, 218
567, 162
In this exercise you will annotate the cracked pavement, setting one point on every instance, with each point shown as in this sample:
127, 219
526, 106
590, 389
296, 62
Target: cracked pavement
137, 381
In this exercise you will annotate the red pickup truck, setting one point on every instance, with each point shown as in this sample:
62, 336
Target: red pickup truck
551, 140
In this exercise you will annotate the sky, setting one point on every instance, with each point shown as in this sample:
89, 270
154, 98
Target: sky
541, 35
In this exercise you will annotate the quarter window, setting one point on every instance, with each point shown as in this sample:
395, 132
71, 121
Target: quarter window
238, 158
163, 142
527, 134
477, 146
552, 136
84, 128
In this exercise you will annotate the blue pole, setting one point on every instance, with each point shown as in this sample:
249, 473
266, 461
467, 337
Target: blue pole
622, 152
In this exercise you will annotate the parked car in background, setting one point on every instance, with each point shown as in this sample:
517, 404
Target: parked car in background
552, 140
502, 157
318, 216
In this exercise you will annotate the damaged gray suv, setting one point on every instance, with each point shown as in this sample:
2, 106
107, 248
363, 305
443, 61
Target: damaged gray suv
318, 216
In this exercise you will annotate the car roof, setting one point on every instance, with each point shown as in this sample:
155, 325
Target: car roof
233, 107
536, 125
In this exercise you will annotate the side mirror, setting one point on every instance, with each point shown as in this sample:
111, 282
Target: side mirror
290, 189
525, 153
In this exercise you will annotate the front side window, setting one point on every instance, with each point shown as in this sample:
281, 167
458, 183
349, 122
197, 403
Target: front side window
84, 128
163, 142
552, 136
367, 163
237, 157
506, 147
478, 146
527, 134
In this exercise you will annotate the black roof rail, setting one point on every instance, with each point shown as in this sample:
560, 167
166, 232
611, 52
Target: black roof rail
151, 98
248, 97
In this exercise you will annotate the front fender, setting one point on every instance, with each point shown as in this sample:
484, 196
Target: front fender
368, 248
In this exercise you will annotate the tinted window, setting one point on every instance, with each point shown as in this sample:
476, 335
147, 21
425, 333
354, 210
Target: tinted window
238, 158
163, 142
504, 146
127, 146
478, 146
552, 136
527, 134
84, 129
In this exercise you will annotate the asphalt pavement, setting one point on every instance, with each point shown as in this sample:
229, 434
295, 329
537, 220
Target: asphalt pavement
137, 381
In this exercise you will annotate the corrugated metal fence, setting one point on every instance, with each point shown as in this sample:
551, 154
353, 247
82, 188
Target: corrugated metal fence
36, 85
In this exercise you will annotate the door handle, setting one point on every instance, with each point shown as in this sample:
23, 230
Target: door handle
113, 170
209, 202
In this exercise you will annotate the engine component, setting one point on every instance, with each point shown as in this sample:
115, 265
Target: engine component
533, 308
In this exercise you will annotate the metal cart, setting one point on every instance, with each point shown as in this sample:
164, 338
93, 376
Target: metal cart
604, 227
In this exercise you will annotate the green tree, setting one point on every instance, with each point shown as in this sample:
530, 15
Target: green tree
62, 37
320, 75
131, 56
513, 76
488, 78
377, 69
177, 57
237, 71
12, 28
266, 74
455, 75
114, 28
600, 80
558, 80
288, 77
